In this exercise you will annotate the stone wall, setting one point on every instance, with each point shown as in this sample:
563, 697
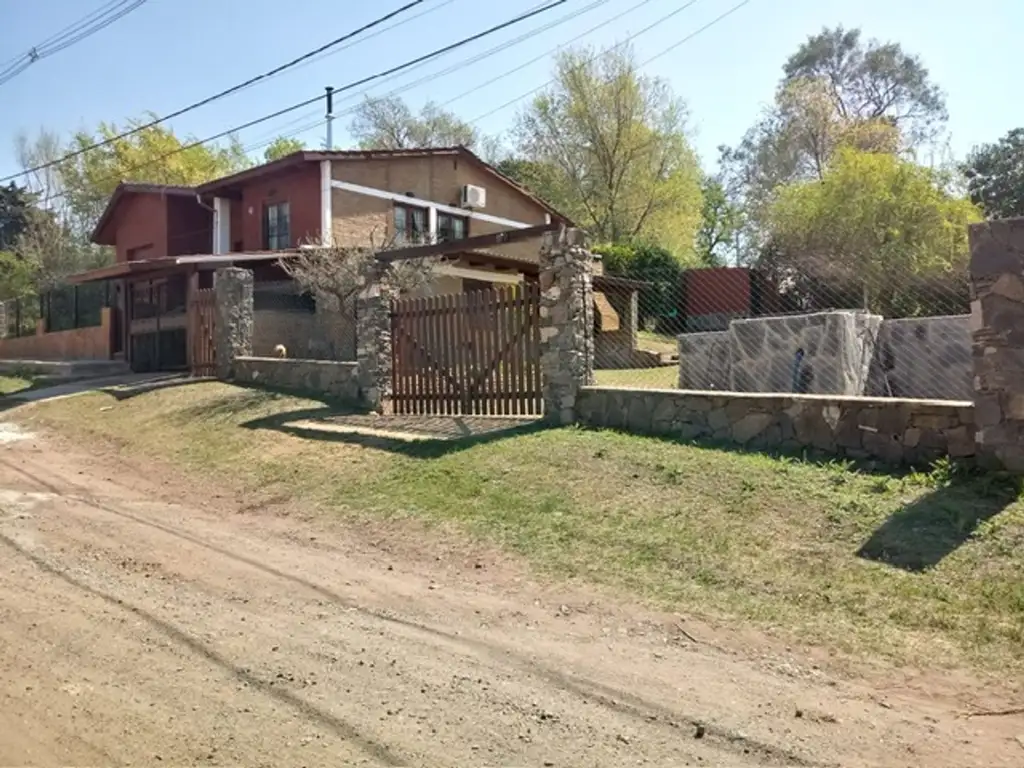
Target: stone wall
566, 322
926, 357
827, 353
320, 377
233, 292
893, 430
704, 360
997, 331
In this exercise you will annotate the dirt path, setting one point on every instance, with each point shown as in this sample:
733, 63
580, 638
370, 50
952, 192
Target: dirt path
134, 630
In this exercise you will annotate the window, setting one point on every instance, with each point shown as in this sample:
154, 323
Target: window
450, 227
410, 223
276, 227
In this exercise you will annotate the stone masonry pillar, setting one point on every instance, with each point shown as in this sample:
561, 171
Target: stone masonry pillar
566, 322
234, 329
373, 334
997, 329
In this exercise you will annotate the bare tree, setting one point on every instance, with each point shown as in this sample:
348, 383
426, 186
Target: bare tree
336, 275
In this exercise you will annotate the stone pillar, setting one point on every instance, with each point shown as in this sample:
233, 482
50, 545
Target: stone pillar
997, 330
566, 322
234, 328
373, 334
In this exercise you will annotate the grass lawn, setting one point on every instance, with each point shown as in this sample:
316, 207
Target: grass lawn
662, 377
11, 384
920, 568
657, 342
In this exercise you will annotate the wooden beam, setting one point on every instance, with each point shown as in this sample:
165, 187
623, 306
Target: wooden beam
468, 243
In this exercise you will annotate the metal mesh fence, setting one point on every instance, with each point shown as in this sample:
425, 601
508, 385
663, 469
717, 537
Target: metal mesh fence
775, 331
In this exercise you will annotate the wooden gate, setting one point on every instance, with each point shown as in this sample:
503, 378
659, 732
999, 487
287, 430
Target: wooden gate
202, 359
475, 353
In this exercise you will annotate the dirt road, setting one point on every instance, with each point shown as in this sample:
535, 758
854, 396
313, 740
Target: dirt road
139, 628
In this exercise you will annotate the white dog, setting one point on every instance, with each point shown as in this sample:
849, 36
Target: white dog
281, 351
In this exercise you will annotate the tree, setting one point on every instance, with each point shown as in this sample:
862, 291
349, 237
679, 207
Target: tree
389, 123
836, 91
16, 276
871, 81
659, 269
153, 155
878, 226
335, 275
616, 143
719, 225
995, 176
16, 207
282, 146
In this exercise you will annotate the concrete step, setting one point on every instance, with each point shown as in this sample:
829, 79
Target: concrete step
65, 369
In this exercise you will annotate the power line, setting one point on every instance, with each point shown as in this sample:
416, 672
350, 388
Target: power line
433, 76
535, 59
222, 94
86, 27
672, 47
349, 86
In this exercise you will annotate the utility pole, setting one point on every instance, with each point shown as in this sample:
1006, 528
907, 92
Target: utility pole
330, 117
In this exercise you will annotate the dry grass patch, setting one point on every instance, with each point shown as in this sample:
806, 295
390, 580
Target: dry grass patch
922, 567
662, 377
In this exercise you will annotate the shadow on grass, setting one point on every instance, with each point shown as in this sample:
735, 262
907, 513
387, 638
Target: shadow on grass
920, 535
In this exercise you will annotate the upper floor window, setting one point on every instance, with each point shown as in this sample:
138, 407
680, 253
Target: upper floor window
410, 223
451, 227
276, 227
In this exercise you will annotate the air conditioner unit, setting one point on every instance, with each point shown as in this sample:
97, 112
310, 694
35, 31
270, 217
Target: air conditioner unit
473, 197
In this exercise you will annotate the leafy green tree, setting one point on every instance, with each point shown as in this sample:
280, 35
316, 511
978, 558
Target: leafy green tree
719, 226
880, 226
656, 266
615, 141
836, 91
16, 206
282, 146
17, 277
995, 176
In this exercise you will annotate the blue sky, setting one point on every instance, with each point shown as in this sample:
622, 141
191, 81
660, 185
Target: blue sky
169, 53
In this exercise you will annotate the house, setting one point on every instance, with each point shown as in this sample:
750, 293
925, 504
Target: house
170, 239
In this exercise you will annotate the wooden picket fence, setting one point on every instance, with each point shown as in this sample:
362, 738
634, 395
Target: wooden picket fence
202, 359
474, 353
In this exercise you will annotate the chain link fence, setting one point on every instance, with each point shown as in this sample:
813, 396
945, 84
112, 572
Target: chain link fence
779, 331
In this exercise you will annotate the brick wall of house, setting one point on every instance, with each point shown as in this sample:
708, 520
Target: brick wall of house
299, 187
142, 227
78, 344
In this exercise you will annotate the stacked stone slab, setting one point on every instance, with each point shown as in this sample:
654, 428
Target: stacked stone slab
997, 330
566, 322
